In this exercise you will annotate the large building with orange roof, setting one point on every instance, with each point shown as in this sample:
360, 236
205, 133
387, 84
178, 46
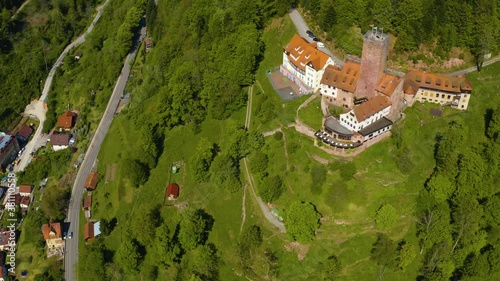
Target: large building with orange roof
437, 88
304, 64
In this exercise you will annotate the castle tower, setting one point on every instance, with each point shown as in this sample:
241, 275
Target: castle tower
375, 47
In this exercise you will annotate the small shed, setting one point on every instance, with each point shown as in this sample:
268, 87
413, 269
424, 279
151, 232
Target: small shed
78, 55
172, 191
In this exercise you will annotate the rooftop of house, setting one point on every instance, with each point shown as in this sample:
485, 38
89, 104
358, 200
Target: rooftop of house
418, 79
4, 236
65, 121
87, 203
25, 188
345, 78
5, 139
59, 139
25, 200
302, 53
173, 189
88, 230
149, 41
52, 230
91, 181
370, 107
387, 84
25, 132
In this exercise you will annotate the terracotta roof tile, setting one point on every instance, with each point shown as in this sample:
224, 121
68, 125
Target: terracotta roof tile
25, 188
91, 181
370, 107
387, 84
66, 120
301, 53
345, 78
173, 189
417, 79
52, 230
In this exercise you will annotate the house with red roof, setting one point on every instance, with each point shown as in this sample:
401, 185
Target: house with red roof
24, 133
172, 191
304, 63
52, 233
66, 121
91, 181
25, 189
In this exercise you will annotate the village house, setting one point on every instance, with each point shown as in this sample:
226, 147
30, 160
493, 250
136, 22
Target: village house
24, 202
91, 230
304, 64
4, 239
59, 141
24, 133
9, 148
66, 121
91, 181
172, 191
52, 233
87, 205
436, 88
25, 189
337, 86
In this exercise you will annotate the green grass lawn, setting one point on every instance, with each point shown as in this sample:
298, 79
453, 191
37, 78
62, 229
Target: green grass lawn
311, 115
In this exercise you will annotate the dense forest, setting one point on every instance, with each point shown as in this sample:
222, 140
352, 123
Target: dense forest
440, 24
30, 43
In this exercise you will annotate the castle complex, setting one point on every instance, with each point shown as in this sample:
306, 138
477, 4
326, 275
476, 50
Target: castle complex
371, 98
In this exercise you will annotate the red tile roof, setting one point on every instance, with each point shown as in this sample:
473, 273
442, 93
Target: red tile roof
345, 78
88, 231
388, 84
25, 200
417, 79
25, 188
91, 181
59, 139
301, 53
25, 132
66, 120
87, 203
370, 107
52, 230
173, 189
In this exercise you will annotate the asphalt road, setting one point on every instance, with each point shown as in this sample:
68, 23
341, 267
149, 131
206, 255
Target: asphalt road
301, 26
36, 107
474, 68
73, 217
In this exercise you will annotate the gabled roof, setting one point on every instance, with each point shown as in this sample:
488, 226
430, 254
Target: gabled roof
387, 84
417, 79
25, 132
87, 203
59, 139
88, 230
65, 121
52, 230
25, 188
370, 107
25, 200
345, 78
173, 189
302, 53
91, 181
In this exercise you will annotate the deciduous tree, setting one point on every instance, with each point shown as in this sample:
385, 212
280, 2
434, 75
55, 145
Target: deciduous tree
301, 222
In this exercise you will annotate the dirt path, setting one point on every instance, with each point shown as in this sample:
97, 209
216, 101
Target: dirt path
286, 151
19, 10
243, 207
247, 126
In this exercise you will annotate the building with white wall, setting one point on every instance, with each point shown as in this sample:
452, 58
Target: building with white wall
304, 64
367, 113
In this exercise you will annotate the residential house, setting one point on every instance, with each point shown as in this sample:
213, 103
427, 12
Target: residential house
24, 134
91, 230
66, 121
338, 85
4, 239
9, 148
52, 233
436, 88
172, 191
149, 44
59, 141
91, 181
304, 64
367, 113
25, 202
87, 205
25, 189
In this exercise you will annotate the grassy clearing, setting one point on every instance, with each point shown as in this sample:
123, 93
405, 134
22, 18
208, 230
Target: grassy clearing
311, 115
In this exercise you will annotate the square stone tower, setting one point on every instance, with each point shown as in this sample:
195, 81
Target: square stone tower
375, 47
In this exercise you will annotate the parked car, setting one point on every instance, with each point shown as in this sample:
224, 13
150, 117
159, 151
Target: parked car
321, 45
70, 235
316, 39
64, 235
309, 32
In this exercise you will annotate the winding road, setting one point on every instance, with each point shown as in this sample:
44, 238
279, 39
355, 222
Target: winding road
37, 108
73, 217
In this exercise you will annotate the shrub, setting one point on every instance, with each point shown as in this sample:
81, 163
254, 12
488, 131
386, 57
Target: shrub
386, 217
